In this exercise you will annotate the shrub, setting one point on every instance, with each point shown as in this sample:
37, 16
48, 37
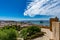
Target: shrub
18, 28
13, 27
3, 35
23, 33
8, 34
33, 29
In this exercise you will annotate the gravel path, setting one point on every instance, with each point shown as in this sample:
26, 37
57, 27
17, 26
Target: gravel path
47, 36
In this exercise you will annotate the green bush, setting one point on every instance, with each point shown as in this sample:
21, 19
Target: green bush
13, 27
18, 28
3, 35
33, 29
8, 34
25, 32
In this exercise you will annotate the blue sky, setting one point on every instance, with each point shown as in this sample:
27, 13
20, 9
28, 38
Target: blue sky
21, 10
12, 9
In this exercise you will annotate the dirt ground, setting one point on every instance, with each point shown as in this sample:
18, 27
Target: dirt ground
47, 36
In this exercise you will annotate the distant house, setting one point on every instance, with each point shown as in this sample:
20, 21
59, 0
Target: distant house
5, 23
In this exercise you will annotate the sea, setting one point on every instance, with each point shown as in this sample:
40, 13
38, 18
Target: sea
39, 22
44, 23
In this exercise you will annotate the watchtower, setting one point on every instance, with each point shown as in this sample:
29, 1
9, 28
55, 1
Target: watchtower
53, 20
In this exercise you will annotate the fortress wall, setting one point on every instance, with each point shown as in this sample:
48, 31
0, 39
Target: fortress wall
56, 30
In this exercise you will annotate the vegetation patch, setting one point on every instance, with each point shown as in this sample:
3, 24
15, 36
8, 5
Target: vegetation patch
13, 27
31, 32
8, 34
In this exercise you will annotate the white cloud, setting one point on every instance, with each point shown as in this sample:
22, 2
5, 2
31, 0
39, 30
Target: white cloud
43, 7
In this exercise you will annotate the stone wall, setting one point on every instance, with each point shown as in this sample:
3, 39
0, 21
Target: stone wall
56, 30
